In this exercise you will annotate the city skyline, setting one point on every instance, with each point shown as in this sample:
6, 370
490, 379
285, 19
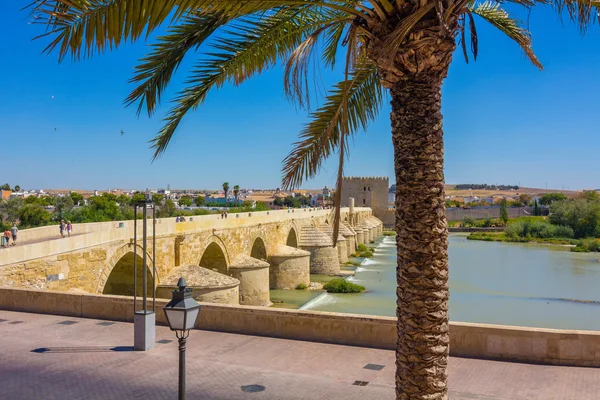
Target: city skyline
505, 121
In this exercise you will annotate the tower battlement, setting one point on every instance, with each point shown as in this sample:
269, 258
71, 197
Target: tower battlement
365, 178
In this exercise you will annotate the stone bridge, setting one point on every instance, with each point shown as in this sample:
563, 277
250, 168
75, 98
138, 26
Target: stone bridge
233, 260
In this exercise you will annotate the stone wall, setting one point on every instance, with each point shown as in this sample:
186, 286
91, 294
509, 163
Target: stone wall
498, 342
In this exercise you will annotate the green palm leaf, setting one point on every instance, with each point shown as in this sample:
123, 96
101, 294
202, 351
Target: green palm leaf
321, 136
249, 47
492, 13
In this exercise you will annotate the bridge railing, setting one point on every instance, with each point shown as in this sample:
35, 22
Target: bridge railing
38, 243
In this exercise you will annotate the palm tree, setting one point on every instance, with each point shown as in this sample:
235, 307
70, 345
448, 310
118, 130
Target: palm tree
17, 188
226, 190
236, 193
400, 48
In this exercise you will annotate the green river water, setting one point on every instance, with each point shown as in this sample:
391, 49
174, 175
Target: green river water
490, 282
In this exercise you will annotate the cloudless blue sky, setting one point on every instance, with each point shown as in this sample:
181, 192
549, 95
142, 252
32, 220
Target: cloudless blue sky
505, 121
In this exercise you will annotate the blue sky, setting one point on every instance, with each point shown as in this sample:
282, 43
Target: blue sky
505, 121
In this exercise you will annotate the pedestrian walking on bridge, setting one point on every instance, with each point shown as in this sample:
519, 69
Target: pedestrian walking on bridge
13, 231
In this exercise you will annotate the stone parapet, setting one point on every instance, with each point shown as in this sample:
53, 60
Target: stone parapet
497, 342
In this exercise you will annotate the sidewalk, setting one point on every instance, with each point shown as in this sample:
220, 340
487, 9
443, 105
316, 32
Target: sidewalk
91, 359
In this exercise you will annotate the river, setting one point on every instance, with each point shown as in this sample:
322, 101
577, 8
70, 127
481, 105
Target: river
490, 282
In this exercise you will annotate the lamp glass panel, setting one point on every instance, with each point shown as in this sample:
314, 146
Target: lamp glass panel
176, 318
191, 318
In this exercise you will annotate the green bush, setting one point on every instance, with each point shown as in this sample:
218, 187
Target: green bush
301, 286
339, 285
366, 254
361, 247
537, 229
587, 245
389, 233
353, 263
468, 221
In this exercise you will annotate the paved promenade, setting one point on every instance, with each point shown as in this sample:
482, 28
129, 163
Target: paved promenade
56, 358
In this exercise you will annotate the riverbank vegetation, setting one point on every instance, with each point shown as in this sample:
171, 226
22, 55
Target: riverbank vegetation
388, 233
339, 285
363, 251
571, 221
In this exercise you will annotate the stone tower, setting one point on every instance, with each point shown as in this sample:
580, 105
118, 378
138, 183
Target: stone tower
370, 192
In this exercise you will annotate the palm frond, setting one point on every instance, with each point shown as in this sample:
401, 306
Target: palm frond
322, 135
249, 47
492, 13
82, 27
296, 79
155, 71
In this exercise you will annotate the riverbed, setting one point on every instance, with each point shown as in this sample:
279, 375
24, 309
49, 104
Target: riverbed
490, 282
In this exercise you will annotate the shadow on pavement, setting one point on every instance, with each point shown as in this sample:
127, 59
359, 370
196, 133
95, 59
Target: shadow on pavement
84, 349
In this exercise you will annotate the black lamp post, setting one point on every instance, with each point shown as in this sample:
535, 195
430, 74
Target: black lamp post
182, 312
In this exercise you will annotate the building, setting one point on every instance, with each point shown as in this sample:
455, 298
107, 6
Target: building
5, 194
370, 192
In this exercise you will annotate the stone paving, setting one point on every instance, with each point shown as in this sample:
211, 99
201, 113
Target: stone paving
54, 357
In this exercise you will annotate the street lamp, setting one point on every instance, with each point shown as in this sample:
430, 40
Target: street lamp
182, 312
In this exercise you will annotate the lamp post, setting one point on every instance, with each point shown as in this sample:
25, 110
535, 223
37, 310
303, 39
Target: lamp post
182, 312
144, 319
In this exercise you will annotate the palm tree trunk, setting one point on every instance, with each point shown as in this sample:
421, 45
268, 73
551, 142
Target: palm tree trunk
422, 239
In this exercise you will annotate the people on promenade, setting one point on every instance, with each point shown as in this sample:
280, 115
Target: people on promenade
69, 228
62, 228
13, 231
177, 219
6, 238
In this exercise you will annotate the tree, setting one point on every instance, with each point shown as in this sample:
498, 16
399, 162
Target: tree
548, 198
63, 205
123, 200
503, 212
10, 208
536, 208
525, 199
185, 201
136, 198
157, 198
6, 186
226, 190
167, 210
200, 200
404, 46
17, 188
33, 215
236, 193
77, 198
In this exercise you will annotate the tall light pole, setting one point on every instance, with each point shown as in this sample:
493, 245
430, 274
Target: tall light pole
182, 312
144, 320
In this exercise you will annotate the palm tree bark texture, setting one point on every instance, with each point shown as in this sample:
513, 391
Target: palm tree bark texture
422, 240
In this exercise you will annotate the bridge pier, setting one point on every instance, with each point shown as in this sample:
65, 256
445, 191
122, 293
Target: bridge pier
207, 286
323, 257
350, 237
253, 275
360, 235
341, 243
290, 267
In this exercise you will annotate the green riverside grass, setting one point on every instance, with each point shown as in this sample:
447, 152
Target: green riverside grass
301, 286
339, 285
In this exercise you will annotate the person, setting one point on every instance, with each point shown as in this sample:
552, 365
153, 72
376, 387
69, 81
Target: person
7, 237
13, 231
225, 214
69, 228
176, 219
62, 228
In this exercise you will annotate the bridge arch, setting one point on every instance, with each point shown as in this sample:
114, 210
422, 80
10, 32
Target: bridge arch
292, 238
259, 250
117, 277
215, 255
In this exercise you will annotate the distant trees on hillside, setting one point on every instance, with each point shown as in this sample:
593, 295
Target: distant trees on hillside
484, 186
